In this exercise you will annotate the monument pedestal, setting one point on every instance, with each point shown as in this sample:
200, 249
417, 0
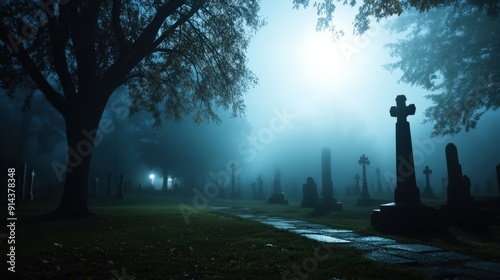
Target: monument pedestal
413, 219
331, 204
278, 198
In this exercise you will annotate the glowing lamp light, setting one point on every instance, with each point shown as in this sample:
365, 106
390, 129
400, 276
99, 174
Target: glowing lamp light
151, 176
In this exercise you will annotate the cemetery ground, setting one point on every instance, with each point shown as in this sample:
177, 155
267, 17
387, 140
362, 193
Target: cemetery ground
146, 237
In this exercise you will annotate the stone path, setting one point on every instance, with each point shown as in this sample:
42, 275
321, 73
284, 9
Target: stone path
431, 261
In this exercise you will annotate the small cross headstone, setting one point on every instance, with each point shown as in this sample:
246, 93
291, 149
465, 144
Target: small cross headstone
358, 189
363, 160
310, 193
379, 185
428, 193
119, 192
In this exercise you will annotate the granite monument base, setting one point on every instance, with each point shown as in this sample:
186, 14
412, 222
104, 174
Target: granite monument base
414, 219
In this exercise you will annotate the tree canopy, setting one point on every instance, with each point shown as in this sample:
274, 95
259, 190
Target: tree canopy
452, 47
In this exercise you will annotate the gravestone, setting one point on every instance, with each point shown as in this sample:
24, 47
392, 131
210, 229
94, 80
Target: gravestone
379, 185
260, 189
460, 209
278, 197
458, 185
310, 193
428, 193
357, 190
406, 214
328, 201
119, 191
93, 192
363, 161
108, 189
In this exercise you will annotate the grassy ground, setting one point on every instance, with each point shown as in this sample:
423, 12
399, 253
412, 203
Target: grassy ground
147, 238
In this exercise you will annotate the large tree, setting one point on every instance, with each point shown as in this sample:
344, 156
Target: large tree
177, 57
452, 47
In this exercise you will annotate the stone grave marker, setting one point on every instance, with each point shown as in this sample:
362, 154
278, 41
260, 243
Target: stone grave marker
278, 197
428, 193
310, 193
328, 201
406, 214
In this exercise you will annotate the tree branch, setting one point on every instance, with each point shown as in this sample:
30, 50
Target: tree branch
56, 99
117, 28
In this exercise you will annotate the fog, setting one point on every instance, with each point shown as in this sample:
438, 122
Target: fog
313, 92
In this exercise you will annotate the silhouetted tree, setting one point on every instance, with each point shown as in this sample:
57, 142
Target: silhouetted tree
177, 57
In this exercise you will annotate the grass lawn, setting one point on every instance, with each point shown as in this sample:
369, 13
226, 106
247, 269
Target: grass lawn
148, 238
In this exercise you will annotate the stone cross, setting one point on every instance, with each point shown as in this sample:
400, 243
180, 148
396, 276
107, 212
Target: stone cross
119, 192
406, 192
260, 188
379, 185
428, 193
357, 190
363, 160
108, 190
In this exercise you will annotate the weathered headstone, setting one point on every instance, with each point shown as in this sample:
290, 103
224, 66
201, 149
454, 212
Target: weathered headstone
379, 185
458, 185
119, 191
108, 189
93, 192
260, 189
357, 190
406, 214
328, 201
310, 193
428, 193
278, 197
365, 199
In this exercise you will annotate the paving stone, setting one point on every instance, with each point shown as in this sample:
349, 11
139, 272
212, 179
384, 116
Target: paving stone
362, 246
484, 265
375, 240
456, 272
419, 258
449, 256
417, 248
304, 231
386, 258
326, 239
279, 225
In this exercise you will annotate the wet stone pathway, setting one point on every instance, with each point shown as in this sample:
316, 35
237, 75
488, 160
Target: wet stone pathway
428, 260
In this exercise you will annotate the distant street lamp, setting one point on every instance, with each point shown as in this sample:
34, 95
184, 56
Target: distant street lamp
151, 176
